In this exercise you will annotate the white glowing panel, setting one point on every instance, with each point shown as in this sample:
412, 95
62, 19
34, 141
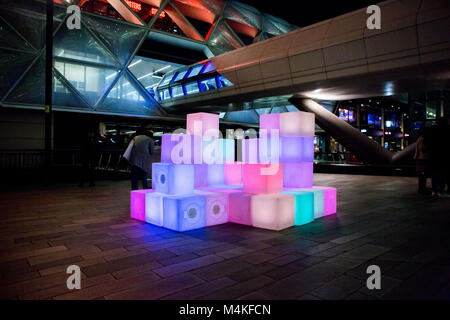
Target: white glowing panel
153, 208
173, 179
183, 213
273, 211
295, 124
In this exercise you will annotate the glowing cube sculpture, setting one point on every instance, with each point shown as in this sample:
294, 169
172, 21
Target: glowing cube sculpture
297, 124
154, 209
216, 174
233, 173
137, 203
297, 149
273, 211
330, 199
318, 200
304, 206
200, 175
298, 174
216, 209
239, 208
183, 213
263, 178
269, 122
181, 149
218, 151
250, 150
202, 123
173, 179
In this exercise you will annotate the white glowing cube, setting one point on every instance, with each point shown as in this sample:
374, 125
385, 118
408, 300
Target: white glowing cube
216, 174
173, 179
273, 211
233, 173
297, 123
183, 213
319, 200
216, 207
154, 209
200, 175
202, 123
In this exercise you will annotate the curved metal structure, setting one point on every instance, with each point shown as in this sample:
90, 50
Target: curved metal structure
338, 59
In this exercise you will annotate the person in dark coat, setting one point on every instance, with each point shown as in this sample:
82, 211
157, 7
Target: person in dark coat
88, 158
140, 158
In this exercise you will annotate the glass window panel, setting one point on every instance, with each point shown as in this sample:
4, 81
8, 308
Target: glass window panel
177, 91
208, 67
91, 82
63, 97
13, 65
208, 84
191, 87
164, 94
195, 70
223, 82
180, 75
166, 79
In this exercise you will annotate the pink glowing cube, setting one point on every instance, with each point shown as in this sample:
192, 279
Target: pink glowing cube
250, 151
216, 207
137, 203
202, 123
273, 211
330, 198
263, 178
297, 149
181, 149
297, 123
269, 122
233, 173
239, 208
298, 174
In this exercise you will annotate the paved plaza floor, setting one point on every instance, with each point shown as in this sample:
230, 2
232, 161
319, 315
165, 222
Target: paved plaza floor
380, 221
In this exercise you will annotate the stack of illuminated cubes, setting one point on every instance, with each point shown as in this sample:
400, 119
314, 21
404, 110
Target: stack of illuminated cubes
198, 182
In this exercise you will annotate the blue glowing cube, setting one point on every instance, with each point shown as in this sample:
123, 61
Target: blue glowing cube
183, 213
216, 174
173, 179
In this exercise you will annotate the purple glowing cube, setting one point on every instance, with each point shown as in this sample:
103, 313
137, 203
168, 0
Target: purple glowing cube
269, 122
297, 149
250, 151
181, 149
202, 123
216, 207
298, 174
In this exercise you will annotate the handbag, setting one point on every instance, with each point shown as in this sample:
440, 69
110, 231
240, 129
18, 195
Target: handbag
127, 153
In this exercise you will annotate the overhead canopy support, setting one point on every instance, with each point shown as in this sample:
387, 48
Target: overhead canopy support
359, 144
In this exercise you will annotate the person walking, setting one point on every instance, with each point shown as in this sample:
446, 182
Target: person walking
422, 159
88, 158
140, 158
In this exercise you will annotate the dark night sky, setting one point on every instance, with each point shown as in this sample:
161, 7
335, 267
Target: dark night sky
306, 12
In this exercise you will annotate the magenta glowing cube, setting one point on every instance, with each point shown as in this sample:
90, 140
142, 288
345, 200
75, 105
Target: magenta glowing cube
154, 209
330, 198
297, 123
297, 149
273, 211
263, 178
269, 122
181, 149
216, 207
202, 123
250, 151
233, 173
200, 175
239, 208
298, 174
137, 203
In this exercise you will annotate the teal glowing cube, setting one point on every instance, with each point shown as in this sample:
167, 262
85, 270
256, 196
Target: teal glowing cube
319, 200
304, 206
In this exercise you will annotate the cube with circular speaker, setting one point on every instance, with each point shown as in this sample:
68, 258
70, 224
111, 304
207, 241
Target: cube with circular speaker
183, 213
173, 179
216, 207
